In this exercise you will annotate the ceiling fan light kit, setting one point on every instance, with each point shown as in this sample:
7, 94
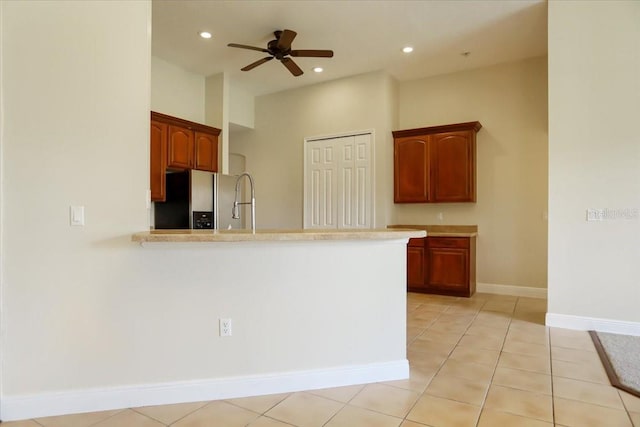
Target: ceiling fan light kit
280, 49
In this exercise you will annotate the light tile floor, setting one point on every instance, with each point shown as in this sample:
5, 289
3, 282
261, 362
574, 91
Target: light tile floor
483, 361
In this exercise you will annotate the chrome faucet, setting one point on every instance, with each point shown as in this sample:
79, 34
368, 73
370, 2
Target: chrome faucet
235, 212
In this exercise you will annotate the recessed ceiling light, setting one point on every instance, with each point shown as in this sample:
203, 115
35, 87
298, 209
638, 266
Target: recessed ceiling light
407, 49
318, 69
205, 34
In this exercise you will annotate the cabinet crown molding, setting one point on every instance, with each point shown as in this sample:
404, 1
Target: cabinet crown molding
466, 126
184, 123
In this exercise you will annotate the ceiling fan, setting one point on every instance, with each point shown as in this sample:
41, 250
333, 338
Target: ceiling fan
280, 48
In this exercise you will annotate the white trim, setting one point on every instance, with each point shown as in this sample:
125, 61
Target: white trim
91, 400
2, 209
582, 323
339, 135
518, 291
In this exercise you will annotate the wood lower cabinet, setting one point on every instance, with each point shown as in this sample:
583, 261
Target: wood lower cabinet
450, 265
415, 265
179, 144
447, 265
435, 164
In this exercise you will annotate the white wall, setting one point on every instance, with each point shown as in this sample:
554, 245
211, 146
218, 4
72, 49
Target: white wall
594, 159
274, 149
241, 106
216, 87
510, 102
75, 91
177, 92
217, 114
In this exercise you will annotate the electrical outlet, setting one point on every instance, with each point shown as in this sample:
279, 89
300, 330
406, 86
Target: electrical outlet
225, 327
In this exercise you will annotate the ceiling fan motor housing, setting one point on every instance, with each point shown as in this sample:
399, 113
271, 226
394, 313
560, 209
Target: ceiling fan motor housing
274, 50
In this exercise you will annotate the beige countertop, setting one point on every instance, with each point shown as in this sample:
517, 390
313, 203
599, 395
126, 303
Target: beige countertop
179, 236
442, 230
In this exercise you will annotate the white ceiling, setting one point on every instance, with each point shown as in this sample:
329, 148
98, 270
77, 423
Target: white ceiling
364, 35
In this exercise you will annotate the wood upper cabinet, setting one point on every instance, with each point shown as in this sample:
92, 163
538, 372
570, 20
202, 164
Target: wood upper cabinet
412, 169
179, 144
453, 162
435, 164
206, 152
180, 148
158, 163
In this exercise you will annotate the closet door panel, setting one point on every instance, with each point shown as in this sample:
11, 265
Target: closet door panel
338, 183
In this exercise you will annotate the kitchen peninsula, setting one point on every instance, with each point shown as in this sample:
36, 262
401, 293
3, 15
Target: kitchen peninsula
310, 309
211, 236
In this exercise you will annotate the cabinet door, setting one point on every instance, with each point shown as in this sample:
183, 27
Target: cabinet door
180, 148
447, 271
415, 265
453, 163
206, 152
411, 170
158, 163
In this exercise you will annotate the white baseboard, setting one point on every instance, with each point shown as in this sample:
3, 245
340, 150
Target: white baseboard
91, 400
518, 291
581, 323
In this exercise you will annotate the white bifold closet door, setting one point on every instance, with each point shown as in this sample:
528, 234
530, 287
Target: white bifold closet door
338, 189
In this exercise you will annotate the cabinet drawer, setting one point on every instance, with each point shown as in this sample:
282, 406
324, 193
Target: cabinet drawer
447, 242
416, 242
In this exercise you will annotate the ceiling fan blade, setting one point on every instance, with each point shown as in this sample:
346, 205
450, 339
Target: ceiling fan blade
312, 53
292, 66
286, 38
244, 46
258, 62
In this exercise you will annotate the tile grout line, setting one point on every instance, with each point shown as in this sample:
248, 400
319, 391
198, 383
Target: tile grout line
624, 405
553, 397
431, 379
434, 375
344, 405
486, 394
111, 416
445, 361
150, 417
192, 412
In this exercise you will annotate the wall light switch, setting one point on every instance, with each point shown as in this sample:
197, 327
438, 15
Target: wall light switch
76, 214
